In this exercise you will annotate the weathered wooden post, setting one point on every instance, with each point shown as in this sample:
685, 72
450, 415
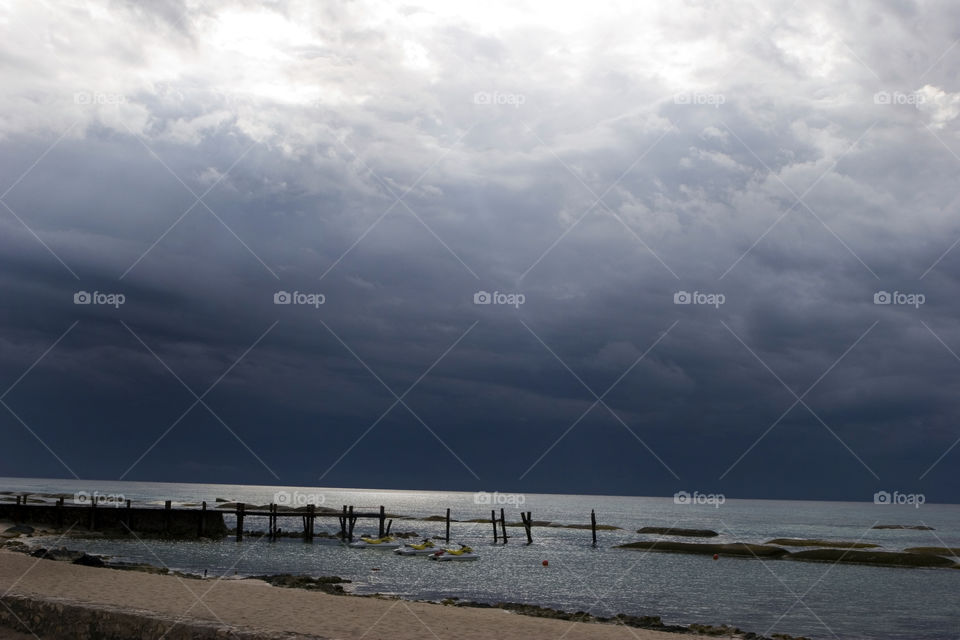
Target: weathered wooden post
240, 510
493, 521
527, 522
308, 523
503, 525
448, 525
272, 522
383, 519
203, 518
343, 524
351, 521
593, 525
389, 524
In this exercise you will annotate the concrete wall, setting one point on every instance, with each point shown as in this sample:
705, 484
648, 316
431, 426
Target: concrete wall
177, 523
57, 618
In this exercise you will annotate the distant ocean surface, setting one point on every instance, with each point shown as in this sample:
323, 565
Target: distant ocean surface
818, 600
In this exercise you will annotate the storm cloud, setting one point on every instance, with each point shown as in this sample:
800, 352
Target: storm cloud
732, 228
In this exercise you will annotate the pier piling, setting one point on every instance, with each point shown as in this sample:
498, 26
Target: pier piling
240, 510
593, 525
448, 526
527, 523
503, 525
308, 523
493, 521
383, 519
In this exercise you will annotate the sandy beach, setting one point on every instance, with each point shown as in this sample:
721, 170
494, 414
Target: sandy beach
255, 605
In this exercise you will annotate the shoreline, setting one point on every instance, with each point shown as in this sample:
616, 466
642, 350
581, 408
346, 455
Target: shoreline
824, 544
59, 597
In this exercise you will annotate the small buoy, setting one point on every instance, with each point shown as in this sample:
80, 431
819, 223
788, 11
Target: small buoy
716, 556
545, 563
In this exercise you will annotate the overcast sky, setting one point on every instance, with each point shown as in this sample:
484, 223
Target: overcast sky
781, 163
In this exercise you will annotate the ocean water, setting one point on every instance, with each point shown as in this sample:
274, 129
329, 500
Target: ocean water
818, 600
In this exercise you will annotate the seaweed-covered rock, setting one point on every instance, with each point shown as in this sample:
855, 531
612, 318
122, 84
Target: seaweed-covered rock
881, 558
707, 548
935, 551
675, 531
327, 584
836, 544
61, 554
20, 528
88, 560
914, 527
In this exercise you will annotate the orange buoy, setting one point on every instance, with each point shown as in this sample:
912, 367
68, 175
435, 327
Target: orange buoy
545, 563
716, 556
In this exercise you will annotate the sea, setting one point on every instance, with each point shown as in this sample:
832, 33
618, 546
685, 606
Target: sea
562, 569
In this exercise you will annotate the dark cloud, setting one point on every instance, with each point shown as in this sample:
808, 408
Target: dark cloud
398, 162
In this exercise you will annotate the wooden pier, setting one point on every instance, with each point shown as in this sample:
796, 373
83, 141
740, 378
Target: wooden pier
201, 522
